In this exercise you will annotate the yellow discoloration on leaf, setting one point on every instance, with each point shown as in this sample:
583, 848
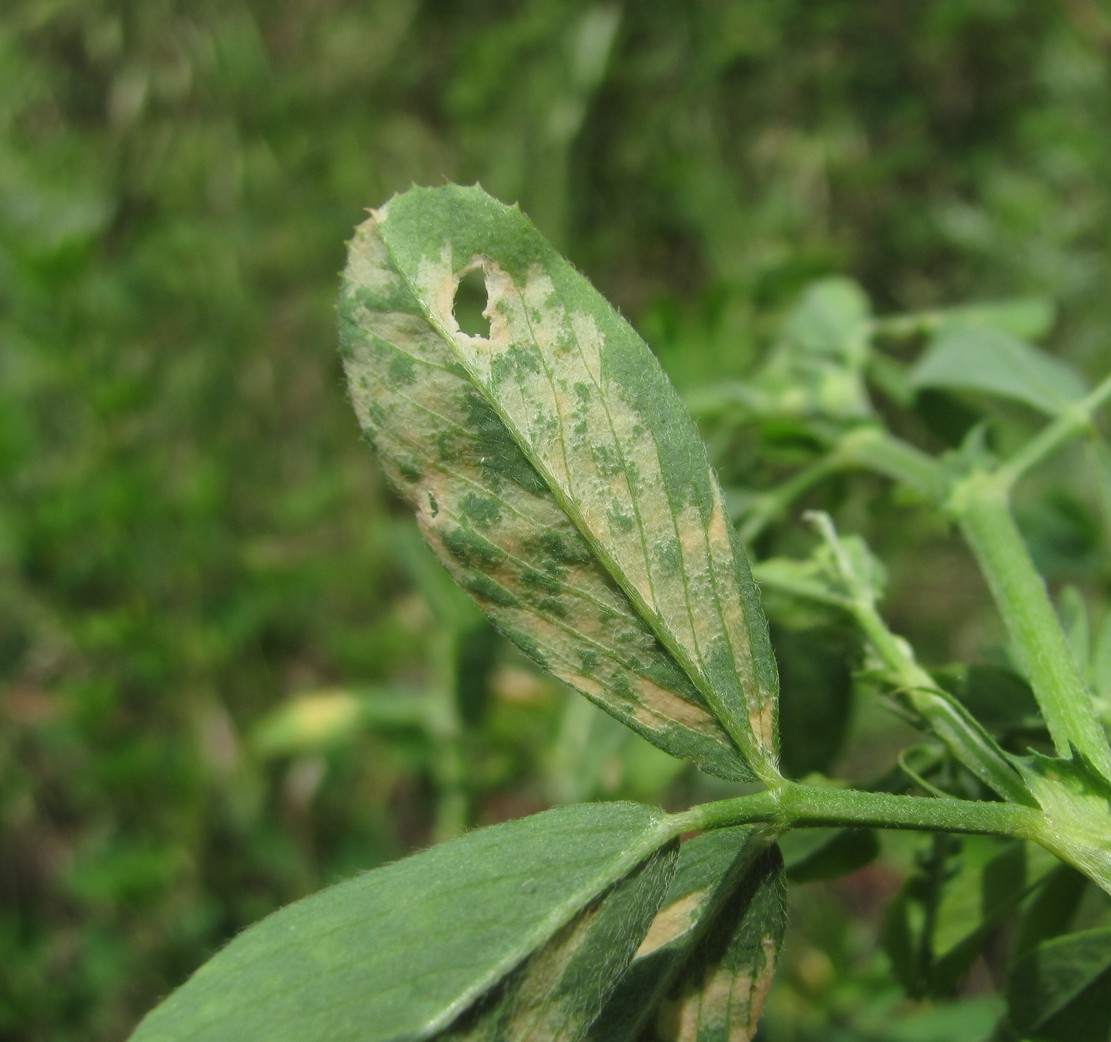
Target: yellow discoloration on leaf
672, 922
756, 992
677, 1020
761, 721
714, 999
370, 266
722, 1002
666, 705
437, 283
732, 951
541, 391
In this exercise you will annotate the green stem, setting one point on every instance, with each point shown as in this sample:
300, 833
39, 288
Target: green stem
1075, 420
872, 448
774, 503
979, 505
445, 730
794, 805
961, 734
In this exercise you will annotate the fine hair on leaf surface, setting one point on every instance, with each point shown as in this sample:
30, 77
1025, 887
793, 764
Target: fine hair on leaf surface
403, 951
556, 474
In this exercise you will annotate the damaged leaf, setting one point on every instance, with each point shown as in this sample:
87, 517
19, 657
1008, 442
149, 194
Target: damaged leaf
557, 992
703, 970
527, 922
554, 472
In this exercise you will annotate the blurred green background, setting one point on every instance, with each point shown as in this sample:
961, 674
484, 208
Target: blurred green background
192, 534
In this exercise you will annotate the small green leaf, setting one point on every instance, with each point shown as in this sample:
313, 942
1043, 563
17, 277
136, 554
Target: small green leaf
832, 318
401, 952
556, 475
985, 889
704, 967
838, 571
1059, 991
993, 362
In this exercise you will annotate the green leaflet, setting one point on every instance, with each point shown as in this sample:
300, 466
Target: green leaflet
936, 925
704, 967
554, 472
817, 366
400, 953
993, 362
1029, 318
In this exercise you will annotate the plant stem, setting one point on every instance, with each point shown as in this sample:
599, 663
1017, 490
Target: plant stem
979, 505
772, 504
446, 733
872, 448
1074, 420
962, 735
794, 805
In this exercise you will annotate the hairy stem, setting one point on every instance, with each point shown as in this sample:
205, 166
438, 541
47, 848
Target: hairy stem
961, 734
874, 449
795, 805
979, 505
1074, 421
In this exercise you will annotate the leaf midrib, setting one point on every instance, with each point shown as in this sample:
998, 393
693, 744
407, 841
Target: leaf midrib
744, 742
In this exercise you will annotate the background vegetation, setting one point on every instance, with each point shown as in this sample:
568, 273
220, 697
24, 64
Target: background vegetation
192, 536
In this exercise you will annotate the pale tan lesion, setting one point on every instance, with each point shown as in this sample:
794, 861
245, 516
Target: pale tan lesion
672, 922
721, 999
756, 991
368, 263
534, 1015
761, 722
659, 701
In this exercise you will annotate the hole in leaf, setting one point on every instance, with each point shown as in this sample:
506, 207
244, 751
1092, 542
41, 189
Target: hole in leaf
470, 302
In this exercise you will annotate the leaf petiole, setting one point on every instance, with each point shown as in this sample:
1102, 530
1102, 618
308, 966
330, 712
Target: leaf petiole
797, 805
